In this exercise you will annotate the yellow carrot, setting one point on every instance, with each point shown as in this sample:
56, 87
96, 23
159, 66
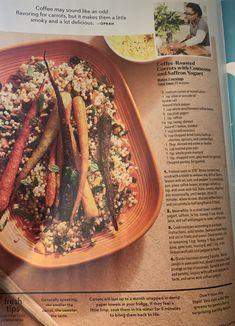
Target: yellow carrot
67, 100
79, 111
88, 201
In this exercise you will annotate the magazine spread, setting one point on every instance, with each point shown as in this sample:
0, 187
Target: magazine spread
116, 161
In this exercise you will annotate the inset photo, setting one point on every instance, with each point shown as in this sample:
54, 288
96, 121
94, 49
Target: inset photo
181, 28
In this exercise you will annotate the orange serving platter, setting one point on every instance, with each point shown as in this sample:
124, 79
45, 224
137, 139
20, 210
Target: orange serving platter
136, 220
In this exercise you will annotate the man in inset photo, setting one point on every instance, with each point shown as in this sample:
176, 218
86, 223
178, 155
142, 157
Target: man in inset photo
198, 32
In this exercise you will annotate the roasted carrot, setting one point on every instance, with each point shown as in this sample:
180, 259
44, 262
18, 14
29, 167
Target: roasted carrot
88, 201
48, 136
104, 127
10, 172
69, 180
67, 100
64, 125
51, 177
60, 164
79, 111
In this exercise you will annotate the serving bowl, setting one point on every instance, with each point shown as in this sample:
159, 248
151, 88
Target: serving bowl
17, 239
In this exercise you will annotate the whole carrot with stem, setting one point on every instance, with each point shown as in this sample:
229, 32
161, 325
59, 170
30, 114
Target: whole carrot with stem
64, 125
10, 172
51, 177
79, 112
69, 180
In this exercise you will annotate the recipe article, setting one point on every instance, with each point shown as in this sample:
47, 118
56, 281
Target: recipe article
113, 178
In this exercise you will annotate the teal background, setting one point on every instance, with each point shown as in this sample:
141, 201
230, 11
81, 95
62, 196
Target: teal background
228, 11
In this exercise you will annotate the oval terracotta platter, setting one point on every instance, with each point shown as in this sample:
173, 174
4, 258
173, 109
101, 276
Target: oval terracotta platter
136, 220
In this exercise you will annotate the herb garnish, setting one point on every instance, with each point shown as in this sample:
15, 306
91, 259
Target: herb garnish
94, 167
35, 121
40, 102
53, 168
40, 67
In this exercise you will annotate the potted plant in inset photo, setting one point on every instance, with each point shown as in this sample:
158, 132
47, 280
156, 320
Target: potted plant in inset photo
166, 22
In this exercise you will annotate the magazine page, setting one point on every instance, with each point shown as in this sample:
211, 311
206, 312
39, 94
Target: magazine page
114, 192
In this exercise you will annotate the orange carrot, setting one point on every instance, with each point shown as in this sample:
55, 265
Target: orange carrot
51, 177
46, 140
10, 172
79, 111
